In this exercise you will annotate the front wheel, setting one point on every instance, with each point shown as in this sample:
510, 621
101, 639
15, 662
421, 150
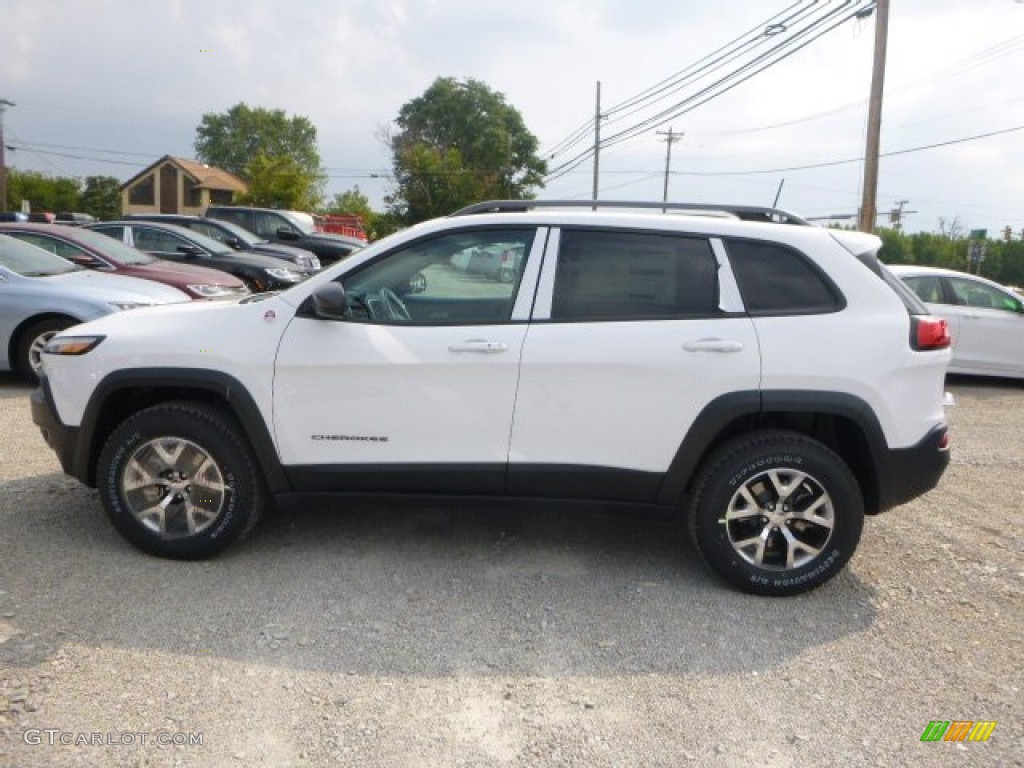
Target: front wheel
776, 513
179, 480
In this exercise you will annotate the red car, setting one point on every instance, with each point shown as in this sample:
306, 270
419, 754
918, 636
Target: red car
96, 251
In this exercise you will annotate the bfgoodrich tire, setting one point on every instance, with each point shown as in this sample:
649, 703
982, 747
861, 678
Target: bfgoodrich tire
179, 480
776, 513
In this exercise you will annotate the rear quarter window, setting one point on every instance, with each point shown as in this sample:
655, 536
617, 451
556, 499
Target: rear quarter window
774, 279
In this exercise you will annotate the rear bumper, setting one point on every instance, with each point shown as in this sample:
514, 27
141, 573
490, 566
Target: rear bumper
908, 473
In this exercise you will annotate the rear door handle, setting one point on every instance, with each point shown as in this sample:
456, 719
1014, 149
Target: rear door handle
480, 347
713, 345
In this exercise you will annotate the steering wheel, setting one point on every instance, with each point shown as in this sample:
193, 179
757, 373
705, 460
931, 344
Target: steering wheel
395, 306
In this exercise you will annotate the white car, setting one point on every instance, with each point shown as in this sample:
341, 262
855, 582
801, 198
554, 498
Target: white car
986, 320
42, 294
770, 383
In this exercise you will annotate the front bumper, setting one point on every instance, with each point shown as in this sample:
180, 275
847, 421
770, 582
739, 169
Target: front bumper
60, 437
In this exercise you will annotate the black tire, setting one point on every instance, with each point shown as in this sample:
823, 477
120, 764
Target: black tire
178, 457
776, 513
27, 350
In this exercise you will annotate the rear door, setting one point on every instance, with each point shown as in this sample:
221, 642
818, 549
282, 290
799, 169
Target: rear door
991, 327
633, 334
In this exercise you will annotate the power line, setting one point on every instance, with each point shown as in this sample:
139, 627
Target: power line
832, 163
675, 81
894, 153
788, 46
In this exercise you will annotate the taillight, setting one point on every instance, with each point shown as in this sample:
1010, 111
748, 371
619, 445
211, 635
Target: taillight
927, 332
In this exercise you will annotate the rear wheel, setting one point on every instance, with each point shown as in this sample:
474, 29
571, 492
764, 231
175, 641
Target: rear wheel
776, 513
179, 480
28, 355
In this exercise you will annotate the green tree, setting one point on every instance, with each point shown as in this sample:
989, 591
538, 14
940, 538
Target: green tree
278, 181
253, 142
354, 202
43, 193
459, 143
101, 197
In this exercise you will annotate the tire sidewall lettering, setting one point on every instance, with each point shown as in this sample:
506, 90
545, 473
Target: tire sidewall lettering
760, 465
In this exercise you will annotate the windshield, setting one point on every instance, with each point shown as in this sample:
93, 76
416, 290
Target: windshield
204, 242
222, 229
111, 248
30, 261
302, 221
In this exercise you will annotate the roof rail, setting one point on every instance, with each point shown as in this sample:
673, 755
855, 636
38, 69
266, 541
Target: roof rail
743, 212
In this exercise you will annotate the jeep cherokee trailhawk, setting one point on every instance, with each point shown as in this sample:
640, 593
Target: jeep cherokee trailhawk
768, 380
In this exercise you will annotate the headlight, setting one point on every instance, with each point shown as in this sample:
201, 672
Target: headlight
210, 291
71, 345
289, 276
122, 305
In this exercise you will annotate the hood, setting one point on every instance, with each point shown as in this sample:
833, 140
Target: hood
103, 287
248, 258
178, 272
290, 251
332, 239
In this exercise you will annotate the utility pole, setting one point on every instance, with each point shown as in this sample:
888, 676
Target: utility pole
597, 139
4, 103
867, 206
896, 215
670, 139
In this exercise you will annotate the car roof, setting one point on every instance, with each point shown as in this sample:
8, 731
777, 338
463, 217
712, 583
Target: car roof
36, 226
683, 222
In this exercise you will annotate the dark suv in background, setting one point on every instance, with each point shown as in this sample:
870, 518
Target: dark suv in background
290, 227
235, 236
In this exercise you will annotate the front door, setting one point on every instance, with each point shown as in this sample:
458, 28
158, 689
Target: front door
415, 390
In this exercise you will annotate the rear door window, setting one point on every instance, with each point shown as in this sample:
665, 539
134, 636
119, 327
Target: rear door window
604, 275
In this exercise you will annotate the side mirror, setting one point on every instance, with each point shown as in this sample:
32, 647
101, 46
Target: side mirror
330, 302
190, 250
284, 233
234, 242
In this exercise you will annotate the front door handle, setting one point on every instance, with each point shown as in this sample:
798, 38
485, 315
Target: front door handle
713, 345
480, 347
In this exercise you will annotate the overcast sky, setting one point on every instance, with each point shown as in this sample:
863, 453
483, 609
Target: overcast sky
108, 86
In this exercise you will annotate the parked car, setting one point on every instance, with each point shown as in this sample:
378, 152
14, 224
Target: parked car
237, 237
94, 250
291, 227
986, 320
42, 294
500, 261
73, 218
167, 241
769, 383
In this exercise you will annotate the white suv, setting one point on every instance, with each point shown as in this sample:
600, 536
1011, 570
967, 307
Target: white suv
768, 380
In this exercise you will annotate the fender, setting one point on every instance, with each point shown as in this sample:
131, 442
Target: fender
714, 423
226, 387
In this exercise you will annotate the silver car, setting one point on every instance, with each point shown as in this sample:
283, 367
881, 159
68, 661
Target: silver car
986, 320
42, 294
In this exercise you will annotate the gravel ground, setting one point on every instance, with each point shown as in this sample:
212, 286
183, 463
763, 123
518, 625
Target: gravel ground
389, 636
